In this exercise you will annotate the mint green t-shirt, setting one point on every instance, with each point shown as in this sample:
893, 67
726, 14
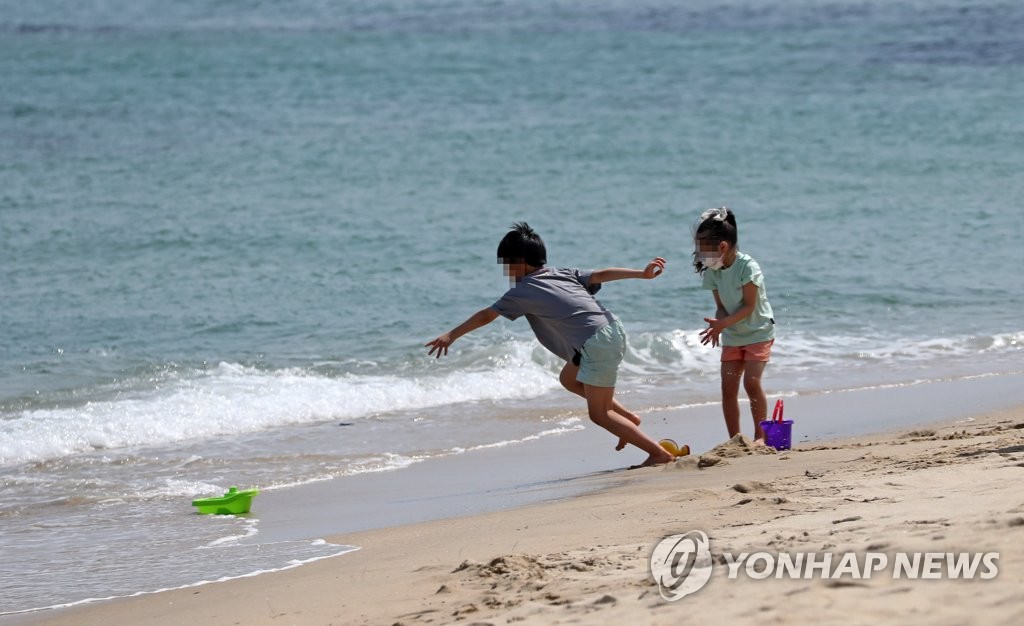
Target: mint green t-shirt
728, 282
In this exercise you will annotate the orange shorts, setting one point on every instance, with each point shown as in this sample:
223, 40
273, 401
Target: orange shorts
753, 352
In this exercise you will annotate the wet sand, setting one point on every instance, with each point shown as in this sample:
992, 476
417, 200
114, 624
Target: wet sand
952, 487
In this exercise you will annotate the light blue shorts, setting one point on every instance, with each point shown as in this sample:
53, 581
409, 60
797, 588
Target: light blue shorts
601, 356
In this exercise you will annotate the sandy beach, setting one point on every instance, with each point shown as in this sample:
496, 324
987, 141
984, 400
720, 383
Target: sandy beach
230, 228
950, 488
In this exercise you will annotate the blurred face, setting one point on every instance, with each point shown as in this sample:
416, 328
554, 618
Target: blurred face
515, 270
712, 254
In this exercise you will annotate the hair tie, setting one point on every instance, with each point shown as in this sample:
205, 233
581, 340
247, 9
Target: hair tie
719, 213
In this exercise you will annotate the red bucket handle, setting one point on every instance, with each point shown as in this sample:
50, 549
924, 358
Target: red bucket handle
777, 413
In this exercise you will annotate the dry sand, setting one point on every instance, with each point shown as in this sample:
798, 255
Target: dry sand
954, 488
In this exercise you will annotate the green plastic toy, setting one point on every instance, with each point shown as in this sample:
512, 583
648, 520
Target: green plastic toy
233, 502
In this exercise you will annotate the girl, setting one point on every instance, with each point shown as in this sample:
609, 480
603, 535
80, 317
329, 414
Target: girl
743, 321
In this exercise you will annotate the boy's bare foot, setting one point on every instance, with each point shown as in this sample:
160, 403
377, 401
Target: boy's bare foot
759, 442
653, 460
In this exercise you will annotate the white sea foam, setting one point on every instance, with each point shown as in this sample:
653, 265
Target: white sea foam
232, 399
173, 487
251, 529
681, 351
338, 550
567, 427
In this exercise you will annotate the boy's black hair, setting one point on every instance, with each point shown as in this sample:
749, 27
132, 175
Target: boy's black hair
713, 229
521, 244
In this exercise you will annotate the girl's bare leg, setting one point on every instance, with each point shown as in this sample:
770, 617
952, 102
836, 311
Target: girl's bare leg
732, 374
758, 399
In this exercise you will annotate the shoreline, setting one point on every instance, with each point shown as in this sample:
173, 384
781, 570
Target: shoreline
580, 461
574, 555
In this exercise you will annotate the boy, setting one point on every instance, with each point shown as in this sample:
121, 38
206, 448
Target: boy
560, 306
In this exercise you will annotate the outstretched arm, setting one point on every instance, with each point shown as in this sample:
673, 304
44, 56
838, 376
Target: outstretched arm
482, 317
653, 270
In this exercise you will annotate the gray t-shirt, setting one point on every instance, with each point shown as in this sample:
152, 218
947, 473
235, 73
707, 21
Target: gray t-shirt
560, 306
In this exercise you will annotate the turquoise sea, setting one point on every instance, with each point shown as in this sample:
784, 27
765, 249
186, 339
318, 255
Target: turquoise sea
227, 229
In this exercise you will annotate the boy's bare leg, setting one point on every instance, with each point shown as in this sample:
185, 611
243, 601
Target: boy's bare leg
568, 380
599, 406
758, 399
732, 374
633, 417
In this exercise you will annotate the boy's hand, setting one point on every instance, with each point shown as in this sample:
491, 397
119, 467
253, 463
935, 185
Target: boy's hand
712, 332
440, 345
478, 319
654, 268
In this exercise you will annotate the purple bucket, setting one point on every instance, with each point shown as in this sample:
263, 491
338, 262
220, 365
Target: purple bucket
778, 433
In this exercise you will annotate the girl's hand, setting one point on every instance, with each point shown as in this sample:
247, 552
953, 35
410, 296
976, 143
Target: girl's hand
654, 268
440, 345
712, 332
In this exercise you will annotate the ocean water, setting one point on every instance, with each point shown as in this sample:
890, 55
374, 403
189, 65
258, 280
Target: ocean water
227, 230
